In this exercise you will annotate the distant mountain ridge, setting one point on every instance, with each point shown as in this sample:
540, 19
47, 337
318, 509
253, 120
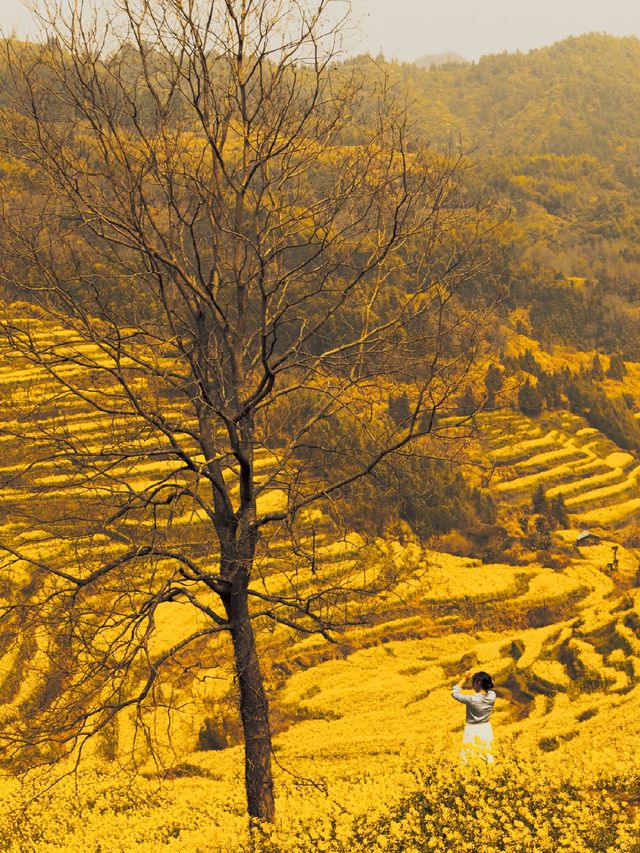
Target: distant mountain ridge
434, 59
555, 134
578, 96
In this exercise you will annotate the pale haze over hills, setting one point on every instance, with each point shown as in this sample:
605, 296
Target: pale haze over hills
409, 29
439, 59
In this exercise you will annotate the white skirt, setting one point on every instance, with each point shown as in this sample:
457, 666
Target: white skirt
477, 743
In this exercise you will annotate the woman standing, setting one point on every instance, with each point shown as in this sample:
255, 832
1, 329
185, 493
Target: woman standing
477, 740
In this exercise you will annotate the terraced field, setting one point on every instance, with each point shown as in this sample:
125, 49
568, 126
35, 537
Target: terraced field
351, 718
353, 723
597, 480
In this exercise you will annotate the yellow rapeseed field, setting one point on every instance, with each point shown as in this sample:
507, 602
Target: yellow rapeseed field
366, 733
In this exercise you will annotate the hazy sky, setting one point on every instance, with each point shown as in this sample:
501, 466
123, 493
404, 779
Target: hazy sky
407, 29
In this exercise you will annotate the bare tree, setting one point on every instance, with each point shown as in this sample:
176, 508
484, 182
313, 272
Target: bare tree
241, 250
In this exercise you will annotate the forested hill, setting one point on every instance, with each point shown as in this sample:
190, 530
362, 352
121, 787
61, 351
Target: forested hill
579, 96
554, 133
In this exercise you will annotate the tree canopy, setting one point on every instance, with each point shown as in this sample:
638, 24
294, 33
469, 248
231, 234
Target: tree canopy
236, 289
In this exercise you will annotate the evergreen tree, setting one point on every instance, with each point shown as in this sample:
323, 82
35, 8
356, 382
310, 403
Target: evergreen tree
529, 364
493, 381
539, 503
542, 538
574, 388
617, 369
510, 364
484, 505
559, 511
467, 403
529, 400
550, 387
597, 372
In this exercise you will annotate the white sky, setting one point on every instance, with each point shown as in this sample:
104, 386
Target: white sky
407, 29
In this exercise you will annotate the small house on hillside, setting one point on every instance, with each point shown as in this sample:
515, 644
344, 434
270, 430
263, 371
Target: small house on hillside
586, 537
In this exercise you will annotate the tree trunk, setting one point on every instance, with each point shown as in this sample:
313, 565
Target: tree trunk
254, 709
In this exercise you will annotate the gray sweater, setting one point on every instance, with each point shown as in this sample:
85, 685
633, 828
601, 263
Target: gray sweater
479, 705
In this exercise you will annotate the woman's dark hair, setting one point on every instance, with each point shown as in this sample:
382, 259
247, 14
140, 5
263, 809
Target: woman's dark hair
482, 681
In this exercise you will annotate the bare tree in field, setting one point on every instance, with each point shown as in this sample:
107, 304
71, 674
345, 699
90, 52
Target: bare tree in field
239, 249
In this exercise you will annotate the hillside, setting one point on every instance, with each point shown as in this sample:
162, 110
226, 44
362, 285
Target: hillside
370, 745
578, 96
283, 454
552, 134
368, 719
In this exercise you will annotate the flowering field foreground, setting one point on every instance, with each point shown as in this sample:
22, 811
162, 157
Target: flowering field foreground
515, 806
369, 759
366, 734
511, 807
